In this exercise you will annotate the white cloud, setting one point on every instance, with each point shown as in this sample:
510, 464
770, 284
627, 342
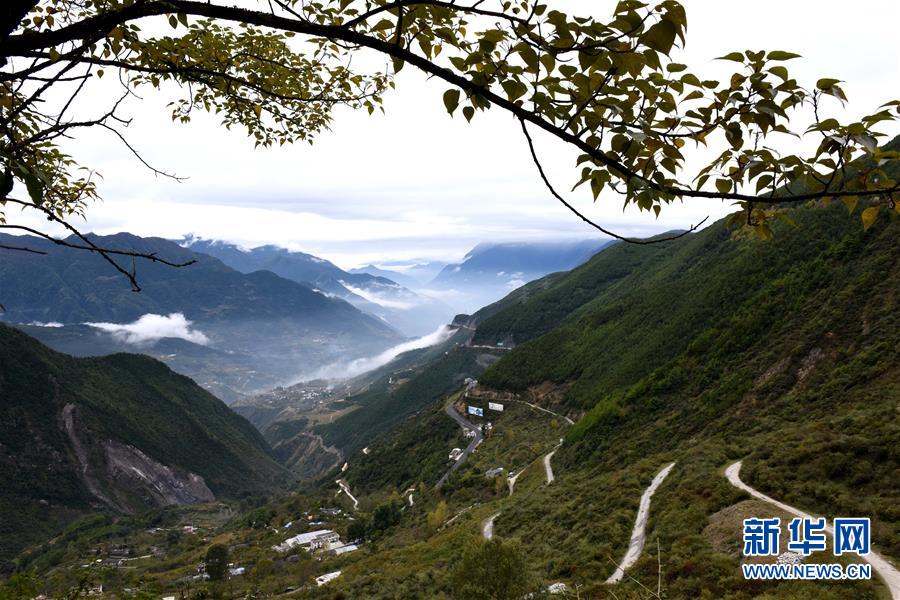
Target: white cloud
346, 370
379, 299
150, 328
50, 324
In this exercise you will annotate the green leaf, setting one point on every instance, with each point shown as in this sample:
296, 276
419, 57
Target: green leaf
733, 56
785, 218
868, 216
468, 113
35, 187
451, 100
661, 36
825, 83
780, 72
850, 202
723, 185
514, 88
781, 55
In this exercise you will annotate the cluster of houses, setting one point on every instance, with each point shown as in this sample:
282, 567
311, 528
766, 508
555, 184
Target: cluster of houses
326, 540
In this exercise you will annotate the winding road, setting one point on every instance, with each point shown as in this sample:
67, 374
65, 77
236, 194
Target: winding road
479, 437
547, 466
639, 534
346, 489
487, 527
511, 481
549, 412
882, 567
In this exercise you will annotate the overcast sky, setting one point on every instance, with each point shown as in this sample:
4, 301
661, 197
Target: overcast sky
415, 183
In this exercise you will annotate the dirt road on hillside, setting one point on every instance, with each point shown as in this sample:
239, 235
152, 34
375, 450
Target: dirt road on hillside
639, 534
888, 573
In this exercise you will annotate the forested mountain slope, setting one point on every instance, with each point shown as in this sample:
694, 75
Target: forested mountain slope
703, 352
122, 433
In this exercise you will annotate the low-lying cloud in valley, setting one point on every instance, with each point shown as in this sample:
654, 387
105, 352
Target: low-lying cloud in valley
347, 370
151, 328
375, 298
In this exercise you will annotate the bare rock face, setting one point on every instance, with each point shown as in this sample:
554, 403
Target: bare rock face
123, 477
160, 485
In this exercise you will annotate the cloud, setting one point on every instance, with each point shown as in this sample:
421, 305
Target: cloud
375, 298
51, 324
150, 328
346, 370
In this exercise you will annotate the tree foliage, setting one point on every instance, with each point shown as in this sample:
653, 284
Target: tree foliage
610, 88
217, 562
491, 570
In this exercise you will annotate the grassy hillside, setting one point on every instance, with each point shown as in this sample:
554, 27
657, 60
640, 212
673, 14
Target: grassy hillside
704, 351
125, 398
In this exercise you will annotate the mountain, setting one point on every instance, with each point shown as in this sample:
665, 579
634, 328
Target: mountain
697, 353
121, 433
275, 328
490, 271
315, 424
418, 272
396, 276
411, 313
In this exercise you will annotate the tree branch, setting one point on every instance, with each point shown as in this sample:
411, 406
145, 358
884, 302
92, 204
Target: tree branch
584, 218
89, 246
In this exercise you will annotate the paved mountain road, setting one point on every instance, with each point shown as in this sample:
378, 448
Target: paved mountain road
479, 437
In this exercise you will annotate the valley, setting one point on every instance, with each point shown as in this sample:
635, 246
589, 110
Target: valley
439, 300
590, 418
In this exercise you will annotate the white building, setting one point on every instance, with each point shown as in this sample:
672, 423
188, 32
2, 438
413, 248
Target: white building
455, 454
324, 541
312, 540
323, 579
341, 548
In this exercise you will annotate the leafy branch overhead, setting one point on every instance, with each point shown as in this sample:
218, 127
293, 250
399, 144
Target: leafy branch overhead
612, 89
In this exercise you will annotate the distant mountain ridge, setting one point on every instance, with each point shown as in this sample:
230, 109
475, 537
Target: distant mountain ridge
408, 312
491, 270
281, 327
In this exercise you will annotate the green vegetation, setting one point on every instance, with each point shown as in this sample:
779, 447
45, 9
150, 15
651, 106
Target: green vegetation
491, 570
130, 399
385, 405
217, 562
780, 354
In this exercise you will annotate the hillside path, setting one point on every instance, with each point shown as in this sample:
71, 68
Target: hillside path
888, 573
546, 410
639, 534
487, 527
479, 437
511, 481
548, 468
346, 489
